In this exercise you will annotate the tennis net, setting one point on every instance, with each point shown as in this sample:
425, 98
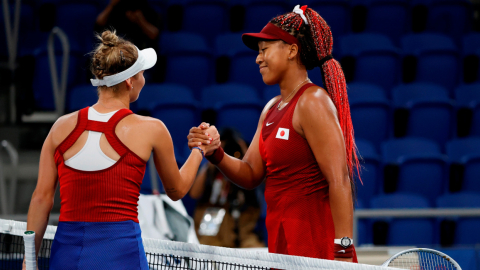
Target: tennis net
171, 255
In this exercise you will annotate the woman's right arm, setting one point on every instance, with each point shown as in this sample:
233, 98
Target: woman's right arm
42, 199
248, 172
176, 182
198, 187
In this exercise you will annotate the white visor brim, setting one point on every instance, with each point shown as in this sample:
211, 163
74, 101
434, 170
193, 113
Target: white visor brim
146, 59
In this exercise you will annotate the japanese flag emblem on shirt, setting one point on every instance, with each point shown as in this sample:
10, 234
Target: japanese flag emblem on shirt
283, 133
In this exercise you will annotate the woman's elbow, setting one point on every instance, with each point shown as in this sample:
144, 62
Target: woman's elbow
42, 199
176, 195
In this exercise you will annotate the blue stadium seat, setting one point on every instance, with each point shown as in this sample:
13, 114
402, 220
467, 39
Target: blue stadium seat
458, 148
466, 231
421, 166
206, 17
153, 94
178, 42
387, 17
81, 96
229, 44
270, 92
244, 69
179, 115
215, 95
466, 151
335, 12
376, 58
450, 17
406, 231
363, 234
77, 21
189, 60
437, 58
238, 106
370, 172
430, 110
370, 111
468, 96
259, 13
42, 81
471, 43
315, 75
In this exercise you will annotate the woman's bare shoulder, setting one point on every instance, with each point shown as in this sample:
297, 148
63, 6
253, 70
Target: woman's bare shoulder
143, 124
63, 127
316, 99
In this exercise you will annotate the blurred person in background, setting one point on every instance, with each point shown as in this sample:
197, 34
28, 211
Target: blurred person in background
304, 145
217, 197
133, 19
98, 157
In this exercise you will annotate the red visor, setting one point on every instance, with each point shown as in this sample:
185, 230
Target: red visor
269, 32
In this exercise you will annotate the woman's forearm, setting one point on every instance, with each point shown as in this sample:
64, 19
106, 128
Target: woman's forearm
188, 172
240, 172
198, 186
37, 219
341, 205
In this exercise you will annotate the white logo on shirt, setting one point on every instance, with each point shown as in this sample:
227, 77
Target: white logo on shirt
283, 133
268, 124
341, 251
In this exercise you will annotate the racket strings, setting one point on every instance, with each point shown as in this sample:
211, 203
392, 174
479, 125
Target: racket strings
420, 260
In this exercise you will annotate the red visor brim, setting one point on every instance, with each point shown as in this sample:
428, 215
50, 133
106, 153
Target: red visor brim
269, 32
251, 39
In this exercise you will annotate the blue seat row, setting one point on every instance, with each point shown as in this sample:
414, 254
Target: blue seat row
392, 18
418, 166
421, 109
428, 111
377, 59
188, 53
423, 231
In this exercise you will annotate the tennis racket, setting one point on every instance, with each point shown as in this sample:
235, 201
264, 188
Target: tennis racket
29, 243
422, 259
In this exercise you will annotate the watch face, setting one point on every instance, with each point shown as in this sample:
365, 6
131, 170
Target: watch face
346, 242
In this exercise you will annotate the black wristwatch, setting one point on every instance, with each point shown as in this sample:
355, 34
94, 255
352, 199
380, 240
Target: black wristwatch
345, 242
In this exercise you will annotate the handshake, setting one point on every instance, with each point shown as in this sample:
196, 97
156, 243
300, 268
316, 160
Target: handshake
204, 136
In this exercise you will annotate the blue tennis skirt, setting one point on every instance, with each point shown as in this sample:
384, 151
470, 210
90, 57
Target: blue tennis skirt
98, 245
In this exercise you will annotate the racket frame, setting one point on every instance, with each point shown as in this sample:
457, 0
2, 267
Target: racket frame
433, 251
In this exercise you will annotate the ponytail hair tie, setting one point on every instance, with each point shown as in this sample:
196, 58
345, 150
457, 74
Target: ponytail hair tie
301, 11
325, 59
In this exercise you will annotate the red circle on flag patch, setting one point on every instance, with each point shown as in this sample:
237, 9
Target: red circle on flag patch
282, 133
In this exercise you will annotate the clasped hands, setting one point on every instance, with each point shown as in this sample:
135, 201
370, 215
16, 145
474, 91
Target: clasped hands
206, 137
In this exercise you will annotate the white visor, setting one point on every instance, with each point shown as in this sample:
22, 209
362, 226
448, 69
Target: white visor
146, 59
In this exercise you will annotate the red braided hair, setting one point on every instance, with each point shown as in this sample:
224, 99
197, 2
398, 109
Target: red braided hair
316, 44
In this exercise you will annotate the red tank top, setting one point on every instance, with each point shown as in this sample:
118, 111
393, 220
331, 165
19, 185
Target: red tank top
291, 165
299, 221
106, 195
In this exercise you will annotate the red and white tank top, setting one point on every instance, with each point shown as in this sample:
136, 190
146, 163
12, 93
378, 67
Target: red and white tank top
104, 195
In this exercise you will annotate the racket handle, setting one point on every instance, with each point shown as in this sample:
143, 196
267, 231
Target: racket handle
29, 242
